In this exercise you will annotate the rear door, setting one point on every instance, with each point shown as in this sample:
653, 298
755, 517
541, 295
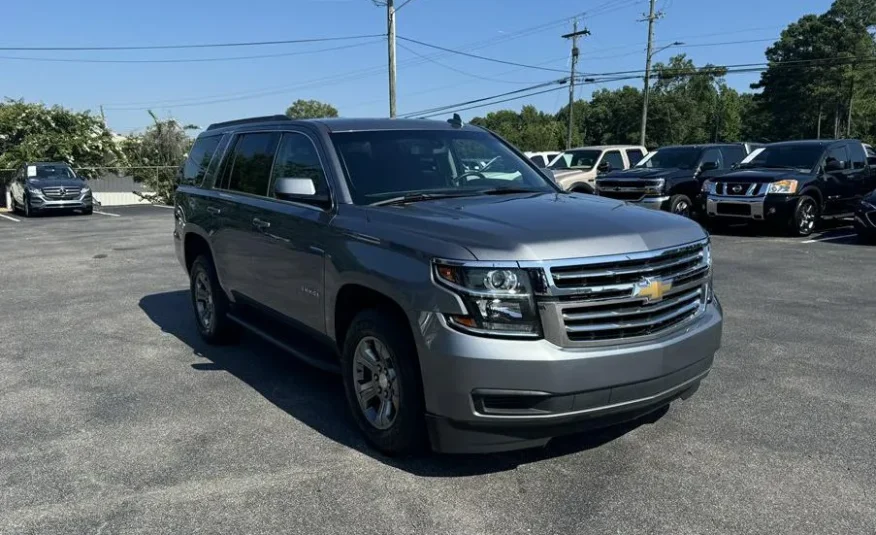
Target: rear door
241, 191
859, 174
287, 247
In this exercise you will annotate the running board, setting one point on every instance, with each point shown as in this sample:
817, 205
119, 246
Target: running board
295, 352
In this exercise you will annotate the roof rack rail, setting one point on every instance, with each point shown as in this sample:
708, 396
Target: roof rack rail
264, 119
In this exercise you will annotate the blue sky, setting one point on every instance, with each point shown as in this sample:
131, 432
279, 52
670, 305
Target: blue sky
353, 78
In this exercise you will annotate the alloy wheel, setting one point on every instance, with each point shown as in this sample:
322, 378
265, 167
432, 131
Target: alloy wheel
204, 305
682, 208
806, 220
375, 382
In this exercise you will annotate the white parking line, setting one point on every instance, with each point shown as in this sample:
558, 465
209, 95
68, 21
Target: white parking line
829, 238
106, 213
4, 216
162, 206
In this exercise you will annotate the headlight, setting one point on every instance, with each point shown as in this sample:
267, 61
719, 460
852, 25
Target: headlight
34, 190
868, 205
707, 186
783, 186
656, 187
499, 300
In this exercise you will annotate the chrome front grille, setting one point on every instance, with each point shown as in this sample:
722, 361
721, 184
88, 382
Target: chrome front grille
625, 297
62, 193
628, 189
739, 189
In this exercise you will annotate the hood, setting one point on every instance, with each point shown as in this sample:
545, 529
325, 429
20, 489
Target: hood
567, 176
648, 172
49, 182
747, 176
543, 226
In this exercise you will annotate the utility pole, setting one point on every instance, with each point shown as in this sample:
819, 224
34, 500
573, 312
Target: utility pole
390, 34
574, 37
851, 98
652, 16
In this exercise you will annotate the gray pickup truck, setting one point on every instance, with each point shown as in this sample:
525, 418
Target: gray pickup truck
472, 310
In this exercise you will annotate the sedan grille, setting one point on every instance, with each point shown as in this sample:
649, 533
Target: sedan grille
628, 297
61, 193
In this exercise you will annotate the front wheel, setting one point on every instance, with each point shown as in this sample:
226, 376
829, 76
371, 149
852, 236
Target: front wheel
88, 211
680, 205
805, 217
26, 210
382, 382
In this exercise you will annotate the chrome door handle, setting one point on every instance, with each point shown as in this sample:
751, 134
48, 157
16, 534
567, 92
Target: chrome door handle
213, 210
258, 223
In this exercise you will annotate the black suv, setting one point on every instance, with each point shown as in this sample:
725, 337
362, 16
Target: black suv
793, 184
670, 178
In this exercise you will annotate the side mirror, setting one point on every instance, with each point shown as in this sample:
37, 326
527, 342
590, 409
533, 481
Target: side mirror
604, 167
299, 189
833, 165
708, 166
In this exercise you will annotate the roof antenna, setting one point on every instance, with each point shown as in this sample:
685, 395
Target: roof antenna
456, 121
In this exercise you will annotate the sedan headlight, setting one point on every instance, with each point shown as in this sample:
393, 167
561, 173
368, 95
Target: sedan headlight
499, 301
783, 186
34, 190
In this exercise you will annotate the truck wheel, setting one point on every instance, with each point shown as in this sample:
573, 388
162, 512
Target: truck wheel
805, 217
680, 205
382, 382
210, 303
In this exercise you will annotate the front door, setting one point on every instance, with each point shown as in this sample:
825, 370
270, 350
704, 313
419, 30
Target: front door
288, 258
837, 184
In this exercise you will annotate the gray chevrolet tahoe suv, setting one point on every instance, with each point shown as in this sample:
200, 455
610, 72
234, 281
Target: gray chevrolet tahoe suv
474, 310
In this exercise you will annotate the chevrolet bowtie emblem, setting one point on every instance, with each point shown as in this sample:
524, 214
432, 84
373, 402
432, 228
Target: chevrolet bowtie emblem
652, 289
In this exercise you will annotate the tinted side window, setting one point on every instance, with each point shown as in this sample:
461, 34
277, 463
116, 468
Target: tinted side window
538, 160
199, 158
614, 158
249, 167
838, 153
857, 156
733, 155
297, 158
713, 155
634, 155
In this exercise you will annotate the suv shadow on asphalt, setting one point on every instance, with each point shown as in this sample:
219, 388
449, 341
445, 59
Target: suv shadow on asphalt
316, 398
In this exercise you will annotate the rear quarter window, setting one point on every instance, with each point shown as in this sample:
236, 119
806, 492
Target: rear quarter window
199, 158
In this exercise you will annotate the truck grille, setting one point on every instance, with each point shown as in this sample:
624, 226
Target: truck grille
737, 189
60, 193
628, 190
627, 297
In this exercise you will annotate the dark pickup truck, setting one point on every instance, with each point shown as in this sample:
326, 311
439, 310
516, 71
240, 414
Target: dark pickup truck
793, 184
670, 178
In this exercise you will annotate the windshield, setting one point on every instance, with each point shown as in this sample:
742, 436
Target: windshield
671, 158
576, 159
50, 172
784, 156
385, 164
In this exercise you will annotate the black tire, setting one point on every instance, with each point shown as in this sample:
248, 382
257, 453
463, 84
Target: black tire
583, 188
406, 433
681, 205
219, 329
26, 210
805, 217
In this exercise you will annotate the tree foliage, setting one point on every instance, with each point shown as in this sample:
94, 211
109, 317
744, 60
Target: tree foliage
310, 109
155, 156
35, 132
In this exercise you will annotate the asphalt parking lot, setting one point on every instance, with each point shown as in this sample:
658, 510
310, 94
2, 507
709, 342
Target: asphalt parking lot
115, 418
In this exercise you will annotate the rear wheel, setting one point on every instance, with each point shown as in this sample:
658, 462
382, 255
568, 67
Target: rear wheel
210, 304
382, 382
680, 205
805, 217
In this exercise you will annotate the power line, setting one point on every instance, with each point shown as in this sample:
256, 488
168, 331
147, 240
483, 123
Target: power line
189, 60
457, 109
561, 81
460, 71
177, 47
467, 54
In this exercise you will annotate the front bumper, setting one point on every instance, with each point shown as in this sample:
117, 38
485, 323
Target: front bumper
654, 203
491, 395
40, 202
760, 208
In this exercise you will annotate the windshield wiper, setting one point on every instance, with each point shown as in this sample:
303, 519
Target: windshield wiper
417, 197
507, 190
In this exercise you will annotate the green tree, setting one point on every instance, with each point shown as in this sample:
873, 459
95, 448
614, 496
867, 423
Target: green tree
155, 156
310, 109
33, 132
